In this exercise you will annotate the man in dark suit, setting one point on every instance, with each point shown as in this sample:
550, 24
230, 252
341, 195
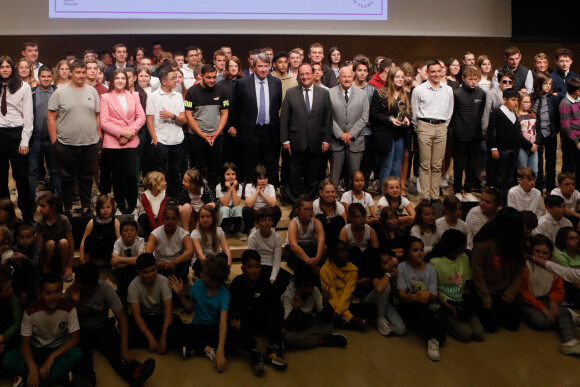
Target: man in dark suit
256, 122
305, 131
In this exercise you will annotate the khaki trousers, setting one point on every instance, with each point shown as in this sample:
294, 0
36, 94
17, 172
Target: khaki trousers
432, 140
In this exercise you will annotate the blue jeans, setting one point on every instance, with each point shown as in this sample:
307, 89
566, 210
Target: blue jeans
529, 160
386, 309
390, 165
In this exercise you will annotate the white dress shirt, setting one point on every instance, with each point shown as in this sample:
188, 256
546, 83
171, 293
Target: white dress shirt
433, 103
19, 111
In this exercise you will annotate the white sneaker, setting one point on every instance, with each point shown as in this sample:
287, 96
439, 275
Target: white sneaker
572, 347
459, 196
444, 183
469, 197
433, 349
383, 326
242, 237
18, 382
449, 179
575, 316
211, 355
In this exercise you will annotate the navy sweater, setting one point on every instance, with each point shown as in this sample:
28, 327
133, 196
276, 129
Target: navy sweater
504, 135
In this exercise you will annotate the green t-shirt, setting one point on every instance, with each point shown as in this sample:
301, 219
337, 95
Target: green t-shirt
564, 259
451, 276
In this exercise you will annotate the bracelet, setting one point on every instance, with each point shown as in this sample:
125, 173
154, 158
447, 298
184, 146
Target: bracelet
388, 275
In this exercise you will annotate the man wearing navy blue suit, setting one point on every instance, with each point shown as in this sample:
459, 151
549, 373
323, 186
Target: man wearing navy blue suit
256, 121
305, 131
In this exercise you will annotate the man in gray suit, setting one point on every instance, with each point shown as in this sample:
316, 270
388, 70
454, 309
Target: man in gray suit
350, 113
305, 131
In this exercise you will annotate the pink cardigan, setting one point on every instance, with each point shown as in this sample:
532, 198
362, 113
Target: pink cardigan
114, 120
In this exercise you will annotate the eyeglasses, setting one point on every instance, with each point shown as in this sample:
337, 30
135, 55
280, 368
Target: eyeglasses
573, 238
507, 82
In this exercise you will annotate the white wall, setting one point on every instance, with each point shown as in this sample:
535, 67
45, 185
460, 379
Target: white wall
406, 18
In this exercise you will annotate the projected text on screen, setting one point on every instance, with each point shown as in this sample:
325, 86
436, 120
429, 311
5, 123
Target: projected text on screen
223, 9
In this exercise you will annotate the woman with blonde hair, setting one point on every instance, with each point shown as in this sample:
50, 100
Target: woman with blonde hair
61, 73
390, 113
26, 72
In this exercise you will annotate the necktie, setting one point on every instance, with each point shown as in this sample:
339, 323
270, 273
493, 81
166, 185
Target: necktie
346, 96
262, 108
307, 100
4, 107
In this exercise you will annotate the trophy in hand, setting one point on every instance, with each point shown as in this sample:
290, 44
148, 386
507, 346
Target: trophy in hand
402, 109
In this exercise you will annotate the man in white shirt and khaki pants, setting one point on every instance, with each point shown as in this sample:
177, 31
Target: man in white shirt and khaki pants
432, 105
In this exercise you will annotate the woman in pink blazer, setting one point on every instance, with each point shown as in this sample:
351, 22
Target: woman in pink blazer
121, 118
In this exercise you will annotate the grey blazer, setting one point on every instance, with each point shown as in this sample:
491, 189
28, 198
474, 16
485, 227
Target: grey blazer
351, 117
306, 132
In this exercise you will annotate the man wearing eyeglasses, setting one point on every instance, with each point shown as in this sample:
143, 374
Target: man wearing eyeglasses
192, 58
523, 78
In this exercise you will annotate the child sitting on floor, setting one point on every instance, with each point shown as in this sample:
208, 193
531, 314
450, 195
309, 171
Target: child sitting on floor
268, 243
171, 245
417, 290
524, 196
453, 287
255, 308
306, 323
554, 219
101, 232
152, 323
153, 202
542, 294
338, 278
567, 189
209, 300
50, 335
195, 194
125, 253
388, 319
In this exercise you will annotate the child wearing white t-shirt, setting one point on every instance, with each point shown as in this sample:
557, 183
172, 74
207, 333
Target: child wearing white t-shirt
259, 194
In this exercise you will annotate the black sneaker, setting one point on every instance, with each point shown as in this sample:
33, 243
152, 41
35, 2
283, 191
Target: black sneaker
275, 357
257, 362
142, 373
335, 340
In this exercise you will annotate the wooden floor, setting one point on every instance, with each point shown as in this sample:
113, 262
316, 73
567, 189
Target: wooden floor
524, 358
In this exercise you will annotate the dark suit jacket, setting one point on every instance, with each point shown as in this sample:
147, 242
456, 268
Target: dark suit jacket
306, 132
245, 108
328, 78
39, 132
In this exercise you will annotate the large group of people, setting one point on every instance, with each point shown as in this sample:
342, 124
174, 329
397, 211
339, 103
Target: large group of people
206, 140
